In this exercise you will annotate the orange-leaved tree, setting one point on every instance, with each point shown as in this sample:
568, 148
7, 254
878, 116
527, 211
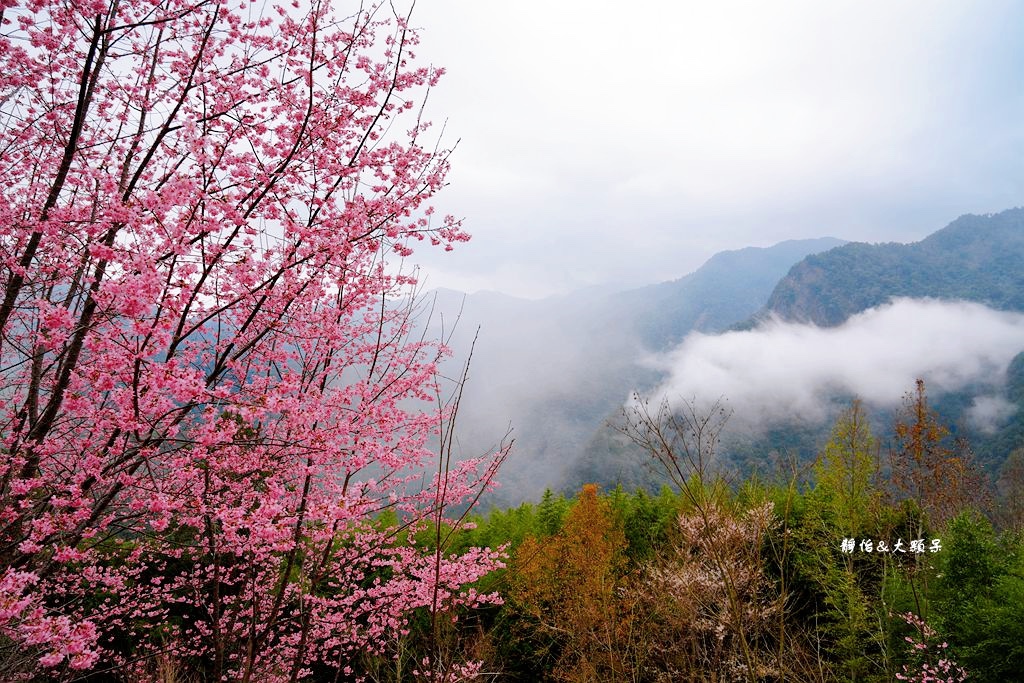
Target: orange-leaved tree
567, 588
942, 479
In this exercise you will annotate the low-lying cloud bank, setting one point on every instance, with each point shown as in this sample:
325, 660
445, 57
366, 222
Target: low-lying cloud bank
781, 370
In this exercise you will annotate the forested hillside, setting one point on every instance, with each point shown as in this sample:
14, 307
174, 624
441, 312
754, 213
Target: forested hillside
553, 370
977, 258
868, 564
723, 291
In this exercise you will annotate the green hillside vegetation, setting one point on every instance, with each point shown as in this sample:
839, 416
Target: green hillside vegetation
866, 565
976, 258
613, 459
992, 448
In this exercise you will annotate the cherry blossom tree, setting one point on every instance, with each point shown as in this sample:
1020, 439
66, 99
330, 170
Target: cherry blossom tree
208, 386
714, 610
932, 663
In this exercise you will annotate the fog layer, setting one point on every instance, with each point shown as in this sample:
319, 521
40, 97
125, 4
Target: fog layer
782, 370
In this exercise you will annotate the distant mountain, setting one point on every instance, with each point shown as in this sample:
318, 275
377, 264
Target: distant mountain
555, 369
976, 258
729, 287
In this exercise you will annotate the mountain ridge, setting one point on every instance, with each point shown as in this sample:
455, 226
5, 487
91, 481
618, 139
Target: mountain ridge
975, 258
555, 368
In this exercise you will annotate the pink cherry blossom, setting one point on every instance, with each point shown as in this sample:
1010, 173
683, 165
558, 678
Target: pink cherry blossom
211, 388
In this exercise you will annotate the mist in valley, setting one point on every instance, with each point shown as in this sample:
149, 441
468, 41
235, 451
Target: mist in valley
780, 370
555, 375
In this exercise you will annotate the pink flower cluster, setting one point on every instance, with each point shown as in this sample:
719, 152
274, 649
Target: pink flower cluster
211, 388
60, 639
934, 665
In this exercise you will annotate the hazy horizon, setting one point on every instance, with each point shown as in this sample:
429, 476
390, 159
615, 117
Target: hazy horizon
599, 142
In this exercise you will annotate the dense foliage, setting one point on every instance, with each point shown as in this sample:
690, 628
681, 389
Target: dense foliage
975, 258
207, 392
854, 568
224, 455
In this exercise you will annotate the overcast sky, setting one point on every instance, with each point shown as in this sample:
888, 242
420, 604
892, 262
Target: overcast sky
613, 142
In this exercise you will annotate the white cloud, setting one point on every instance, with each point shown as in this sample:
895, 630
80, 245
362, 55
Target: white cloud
780, 369
987, 413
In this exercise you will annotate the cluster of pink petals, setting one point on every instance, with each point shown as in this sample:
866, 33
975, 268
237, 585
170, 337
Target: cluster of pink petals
942, 670
211, 385
60, 639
